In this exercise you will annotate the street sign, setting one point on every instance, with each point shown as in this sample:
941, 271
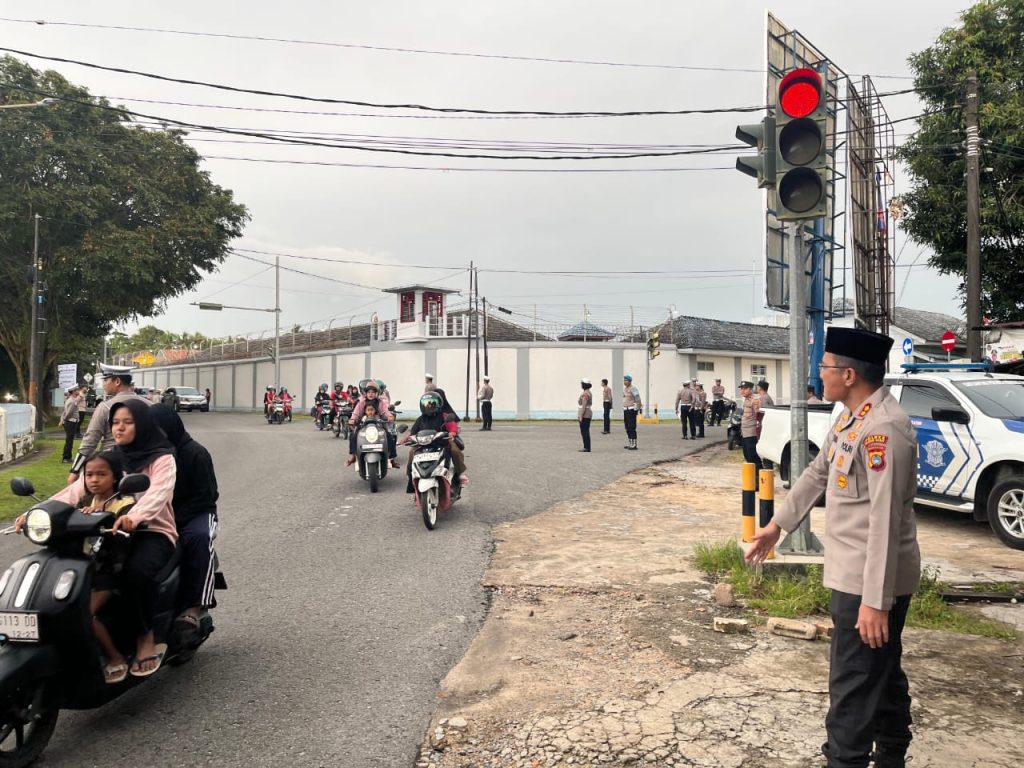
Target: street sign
948, 341
88, 378
908, 346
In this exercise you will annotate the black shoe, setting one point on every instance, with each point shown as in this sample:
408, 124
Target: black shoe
605, 432
583, 450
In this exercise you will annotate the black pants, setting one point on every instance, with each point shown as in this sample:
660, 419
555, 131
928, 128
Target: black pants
629, 417
684, 417
196, 569
717, 409
147, 556
868, 690
607, 416
585, 432
750, 452
70, 432
696, 422
485, 413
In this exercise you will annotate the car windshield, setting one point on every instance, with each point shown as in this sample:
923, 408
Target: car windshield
186, 390
998, 398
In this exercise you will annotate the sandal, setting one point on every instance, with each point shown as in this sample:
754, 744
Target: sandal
395, 464
115, 673
158, 657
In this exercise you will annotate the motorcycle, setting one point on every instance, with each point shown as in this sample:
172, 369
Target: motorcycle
275, 413
342, 413
732, 432
49, 658
322, 415
432, 475
372, 452
727, 408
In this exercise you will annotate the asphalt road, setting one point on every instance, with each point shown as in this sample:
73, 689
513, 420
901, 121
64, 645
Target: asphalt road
343, 612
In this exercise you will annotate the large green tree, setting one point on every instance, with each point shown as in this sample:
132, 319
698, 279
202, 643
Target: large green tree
129, 219
989, 41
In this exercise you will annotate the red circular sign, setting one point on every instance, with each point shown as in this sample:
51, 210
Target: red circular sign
948, 341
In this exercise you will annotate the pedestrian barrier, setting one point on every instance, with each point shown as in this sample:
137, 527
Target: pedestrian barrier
766, 508
749, 484
653, 419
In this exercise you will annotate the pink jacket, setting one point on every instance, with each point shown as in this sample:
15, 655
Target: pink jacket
382, 409
152, 507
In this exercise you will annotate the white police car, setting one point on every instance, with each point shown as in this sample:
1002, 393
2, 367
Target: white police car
970, 437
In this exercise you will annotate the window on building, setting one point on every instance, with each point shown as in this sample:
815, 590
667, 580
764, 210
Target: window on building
408, 313
705, 366
433, 304
758, 372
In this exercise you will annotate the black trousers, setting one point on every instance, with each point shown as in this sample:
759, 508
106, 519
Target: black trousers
585, 432
696, 422
868, 690
485, 413
750, 452
196, 569
148, 554
70, 432
684, 417
607, 416
629, 417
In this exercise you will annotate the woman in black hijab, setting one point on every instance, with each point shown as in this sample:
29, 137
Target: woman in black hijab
195, 515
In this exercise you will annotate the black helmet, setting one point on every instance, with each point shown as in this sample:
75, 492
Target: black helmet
338, 384
430, 403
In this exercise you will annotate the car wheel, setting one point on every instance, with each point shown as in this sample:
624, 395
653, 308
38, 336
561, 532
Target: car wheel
1006, 511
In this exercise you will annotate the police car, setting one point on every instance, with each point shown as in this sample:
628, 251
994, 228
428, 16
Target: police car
970, 438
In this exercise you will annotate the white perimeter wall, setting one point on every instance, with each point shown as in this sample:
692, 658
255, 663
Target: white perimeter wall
530, 380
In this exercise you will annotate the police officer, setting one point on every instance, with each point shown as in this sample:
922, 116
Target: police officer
700, 402
684, 401
631, 406
117, 384
717, 402
428, 382
485, 395
748, 423
69, 419
606, 394
867, 470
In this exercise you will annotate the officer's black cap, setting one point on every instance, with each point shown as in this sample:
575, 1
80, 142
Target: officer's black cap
746, 385
858, 344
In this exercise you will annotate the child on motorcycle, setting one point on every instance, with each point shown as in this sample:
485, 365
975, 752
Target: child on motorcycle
383, 410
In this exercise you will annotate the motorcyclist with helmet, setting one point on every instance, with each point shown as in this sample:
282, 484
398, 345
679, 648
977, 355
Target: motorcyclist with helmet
286, 400
337, 396
437, 416
321, 402
268, 400
371, 394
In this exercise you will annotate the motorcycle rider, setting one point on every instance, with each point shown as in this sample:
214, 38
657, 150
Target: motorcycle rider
383, 407
268, 400
321, 402
338, 396
434, 418
286, 400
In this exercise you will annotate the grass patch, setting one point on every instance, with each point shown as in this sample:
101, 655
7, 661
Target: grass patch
42, 467
795, 592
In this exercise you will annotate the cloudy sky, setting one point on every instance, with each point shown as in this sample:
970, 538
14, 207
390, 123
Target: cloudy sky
691, 217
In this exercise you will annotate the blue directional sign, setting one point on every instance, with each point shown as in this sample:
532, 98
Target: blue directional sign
908, 347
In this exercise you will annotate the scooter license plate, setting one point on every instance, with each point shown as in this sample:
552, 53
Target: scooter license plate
20, 626
375, 447
430, 456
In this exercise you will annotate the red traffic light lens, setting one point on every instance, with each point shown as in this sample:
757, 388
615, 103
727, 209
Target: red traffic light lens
800, 92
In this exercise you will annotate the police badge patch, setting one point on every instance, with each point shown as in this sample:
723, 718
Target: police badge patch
935, 452
874, 446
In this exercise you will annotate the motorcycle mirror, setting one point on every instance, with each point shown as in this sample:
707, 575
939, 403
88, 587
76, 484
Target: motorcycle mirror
22, 486
396, 403
403, 428
135, 483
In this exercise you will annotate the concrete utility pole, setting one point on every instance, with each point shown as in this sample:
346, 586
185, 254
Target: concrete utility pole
34, 384
277, 322
973, 222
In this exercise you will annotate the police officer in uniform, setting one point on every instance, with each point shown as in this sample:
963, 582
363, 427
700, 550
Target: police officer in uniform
717, 403
631, 406
684, 401
428, 383
700, 402
485, 395
69, 419
117, 384
606, 393
867, 470
748, 423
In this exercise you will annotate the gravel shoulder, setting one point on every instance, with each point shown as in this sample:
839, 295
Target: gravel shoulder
598, 648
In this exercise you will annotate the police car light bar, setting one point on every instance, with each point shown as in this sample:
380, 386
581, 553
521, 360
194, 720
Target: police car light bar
912, 367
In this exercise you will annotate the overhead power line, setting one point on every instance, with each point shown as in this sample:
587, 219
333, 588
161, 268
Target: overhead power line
379, 105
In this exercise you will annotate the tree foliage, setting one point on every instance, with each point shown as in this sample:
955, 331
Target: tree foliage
129, 219
989, 41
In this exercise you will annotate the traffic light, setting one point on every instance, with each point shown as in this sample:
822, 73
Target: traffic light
762, 165
801, 147
269, 351
653, 342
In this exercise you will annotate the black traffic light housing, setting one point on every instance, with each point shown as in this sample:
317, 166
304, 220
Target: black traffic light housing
762, 165
653, 342
801, 147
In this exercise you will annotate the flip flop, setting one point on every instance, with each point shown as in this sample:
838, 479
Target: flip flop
158, 657
115, 673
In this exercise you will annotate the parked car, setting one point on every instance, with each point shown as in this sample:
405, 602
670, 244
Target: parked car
970, 437
183, 398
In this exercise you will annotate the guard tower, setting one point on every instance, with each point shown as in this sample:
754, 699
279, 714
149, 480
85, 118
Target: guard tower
420, 313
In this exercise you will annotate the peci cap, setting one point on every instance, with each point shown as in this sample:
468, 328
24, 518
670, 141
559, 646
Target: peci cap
866, 346
746, 385
116, 371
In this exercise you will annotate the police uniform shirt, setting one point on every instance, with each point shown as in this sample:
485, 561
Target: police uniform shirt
867, 469
748, 423
486, 393
607, 394
717, 392
684, 396
630, 398
70, 414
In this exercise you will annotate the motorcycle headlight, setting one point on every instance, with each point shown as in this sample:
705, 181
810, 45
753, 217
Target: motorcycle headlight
37, 526
372, 433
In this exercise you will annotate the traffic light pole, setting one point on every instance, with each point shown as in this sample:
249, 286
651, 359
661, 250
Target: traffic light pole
801, 541
973, 220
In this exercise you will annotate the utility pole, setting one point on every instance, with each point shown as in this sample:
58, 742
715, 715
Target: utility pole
469, 337
486, 371
34, 384
476, 333
277, 323
973, 222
